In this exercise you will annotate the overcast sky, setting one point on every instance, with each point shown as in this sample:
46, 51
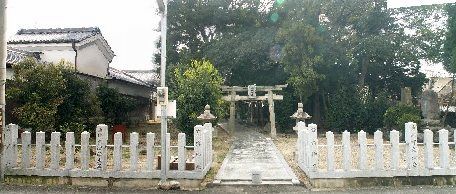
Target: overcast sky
408, 3
129, 26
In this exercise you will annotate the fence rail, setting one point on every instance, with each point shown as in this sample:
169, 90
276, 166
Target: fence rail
68, 159
390, 159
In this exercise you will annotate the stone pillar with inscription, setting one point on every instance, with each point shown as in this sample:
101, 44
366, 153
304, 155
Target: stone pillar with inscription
406, 96
101, 143
431, 112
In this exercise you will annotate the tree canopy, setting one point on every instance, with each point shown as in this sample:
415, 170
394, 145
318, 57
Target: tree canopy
318, 47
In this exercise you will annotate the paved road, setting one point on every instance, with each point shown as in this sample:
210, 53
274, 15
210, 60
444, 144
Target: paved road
254, 151
10, 189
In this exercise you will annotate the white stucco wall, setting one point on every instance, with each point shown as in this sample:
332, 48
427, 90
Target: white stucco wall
55, 56
51, 53
91, 61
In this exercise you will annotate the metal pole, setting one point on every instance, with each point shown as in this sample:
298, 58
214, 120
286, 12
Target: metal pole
163, 119
163, 44
3, 54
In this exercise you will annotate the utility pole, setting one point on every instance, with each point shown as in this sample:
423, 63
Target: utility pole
3, 54
162, 91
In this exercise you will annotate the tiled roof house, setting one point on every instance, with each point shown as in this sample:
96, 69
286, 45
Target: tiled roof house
85, 48
88, 53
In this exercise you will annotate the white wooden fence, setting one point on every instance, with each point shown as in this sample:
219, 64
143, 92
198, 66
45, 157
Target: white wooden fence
387, 159
108, 161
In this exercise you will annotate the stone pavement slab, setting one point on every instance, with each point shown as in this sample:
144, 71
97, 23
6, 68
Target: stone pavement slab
253, 151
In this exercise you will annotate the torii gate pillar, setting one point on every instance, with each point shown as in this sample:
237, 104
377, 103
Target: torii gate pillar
272, 113
232, 124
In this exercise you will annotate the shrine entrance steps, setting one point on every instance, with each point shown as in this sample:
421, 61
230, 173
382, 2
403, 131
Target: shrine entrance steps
251, 156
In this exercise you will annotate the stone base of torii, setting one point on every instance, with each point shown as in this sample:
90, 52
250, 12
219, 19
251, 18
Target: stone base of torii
251, 90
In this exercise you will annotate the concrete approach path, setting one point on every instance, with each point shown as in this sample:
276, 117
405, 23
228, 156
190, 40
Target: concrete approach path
250, 151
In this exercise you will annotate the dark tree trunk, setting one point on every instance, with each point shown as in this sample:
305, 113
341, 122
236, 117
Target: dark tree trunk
362, 75
450, 101
316, 107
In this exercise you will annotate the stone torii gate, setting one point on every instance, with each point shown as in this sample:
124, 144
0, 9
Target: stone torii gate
251, 91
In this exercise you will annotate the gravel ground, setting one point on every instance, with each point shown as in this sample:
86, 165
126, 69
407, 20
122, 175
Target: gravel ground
287, 145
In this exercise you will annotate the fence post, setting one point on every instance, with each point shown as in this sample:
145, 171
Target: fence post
300, 142
26, 141
412, 148
40, 150
346, 150
6, 163
330, 150
117, 153
313, 148
69, 147
378, 141
209, 142
301, 146
101, 142
394, 139
134, 141
11, 157
197, 133
362, 150
307, 149
428, 149
181, 151
204, 145
150, 151
55, 150
14, 136
443, 148
208, 152
85, 152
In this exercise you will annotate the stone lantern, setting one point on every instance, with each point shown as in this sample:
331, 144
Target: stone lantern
207, 116
300, 115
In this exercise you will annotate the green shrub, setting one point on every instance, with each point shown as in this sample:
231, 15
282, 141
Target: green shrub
51, 97
81, 109
351, 111
37, 91
346, 110
375, 111
115, 106
196, 85
397, 116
